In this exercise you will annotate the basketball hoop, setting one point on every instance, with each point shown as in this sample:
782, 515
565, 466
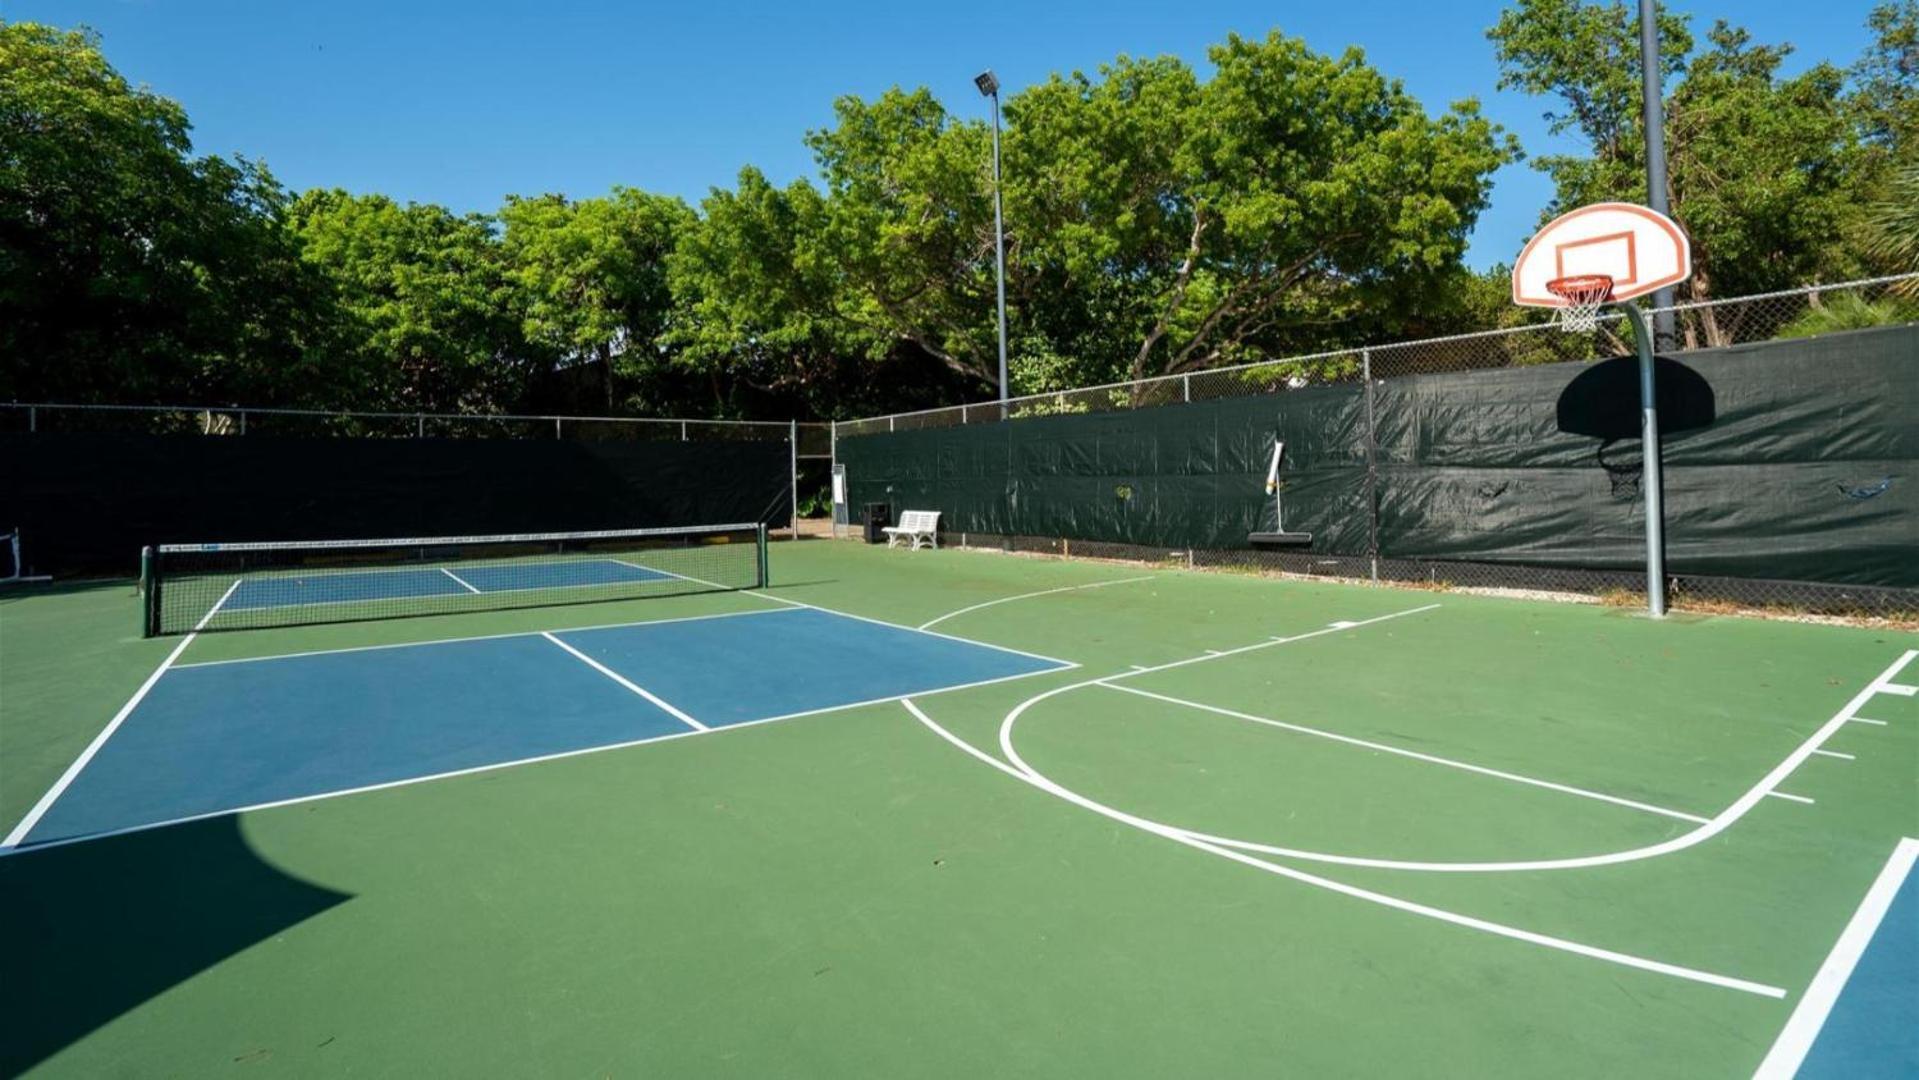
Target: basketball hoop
1584, 295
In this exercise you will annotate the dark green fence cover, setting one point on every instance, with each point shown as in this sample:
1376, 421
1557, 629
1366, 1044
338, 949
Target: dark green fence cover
87, 503
1789, 460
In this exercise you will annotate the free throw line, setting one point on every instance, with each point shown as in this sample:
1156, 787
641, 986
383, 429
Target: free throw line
1440, 914
1433, 759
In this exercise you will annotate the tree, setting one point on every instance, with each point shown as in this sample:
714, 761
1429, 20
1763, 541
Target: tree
1156, 224
908, 222
423, 316
1885, 81
131, 270
591, 280
1893, 226
1763, 171
1291, 201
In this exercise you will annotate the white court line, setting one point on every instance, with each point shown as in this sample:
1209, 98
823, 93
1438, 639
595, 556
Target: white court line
1721, 822
1901, 689
764, 595
464, 583
1796, 1038
1874, 723
53, 793
1440, 914
537, 759
677, 713
1030, 595
1415, 755
1215, 654
476, 637
1835, 753
1791, 798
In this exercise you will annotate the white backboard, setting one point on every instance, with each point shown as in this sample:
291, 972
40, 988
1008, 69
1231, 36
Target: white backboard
1639, 248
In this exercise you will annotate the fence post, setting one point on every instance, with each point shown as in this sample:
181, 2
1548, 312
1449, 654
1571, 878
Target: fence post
832, 474
33, 418
962, 415
556, 428
683, 435
889, 423
1372, 468
243, 421
419, 425
793, 474
1186, 387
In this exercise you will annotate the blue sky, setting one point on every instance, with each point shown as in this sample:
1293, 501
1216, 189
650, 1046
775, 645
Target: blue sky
461, 103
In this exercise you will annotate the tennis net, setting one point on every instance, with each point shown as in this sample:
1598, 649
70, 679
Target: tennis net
251, 585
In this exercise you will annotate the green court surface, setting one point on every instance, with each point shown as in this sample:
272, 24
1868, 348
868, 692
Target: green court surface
1260, 828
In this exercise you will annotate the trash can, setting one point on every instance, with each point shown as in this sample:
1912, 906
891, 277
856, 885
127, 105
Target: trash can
878, 516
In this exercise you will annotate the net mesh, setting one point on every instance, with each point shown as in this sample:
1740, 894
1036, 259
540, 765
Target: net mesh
252, 585
1584, 294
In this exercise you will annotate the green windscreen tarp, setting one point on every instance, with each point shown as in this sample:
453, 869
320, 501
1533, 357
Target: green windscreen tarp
1789, 460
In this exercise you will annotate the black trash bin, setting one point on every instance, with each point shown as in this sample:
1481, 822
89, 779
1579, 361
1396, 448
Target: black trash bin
878, 516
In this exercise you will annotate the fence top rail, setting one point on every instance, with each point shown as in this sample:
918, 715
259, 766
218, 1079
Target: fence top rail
1392, 346
348, 414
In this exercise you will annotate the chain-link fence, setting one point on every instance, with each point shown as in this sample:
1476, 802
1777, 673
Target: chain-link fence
1802, 312
1796, 313
44, 418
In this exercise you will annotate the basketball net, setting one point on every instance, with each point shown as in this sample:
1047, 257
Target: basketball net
1584, 294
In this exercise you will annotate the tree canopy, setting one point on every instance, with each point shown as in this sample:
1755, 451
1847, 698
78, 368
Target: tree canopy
1158, 220
1766, 172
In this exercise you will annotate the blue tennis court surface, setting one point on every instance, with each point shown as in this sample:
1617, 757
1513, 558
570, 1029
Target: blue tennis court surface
1873, 1030
226, 736
348, 586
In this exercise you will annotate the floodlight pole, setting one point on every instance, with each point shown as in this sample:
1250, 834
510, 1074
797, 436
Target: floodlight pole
988, 85
1649, 450
1654, 108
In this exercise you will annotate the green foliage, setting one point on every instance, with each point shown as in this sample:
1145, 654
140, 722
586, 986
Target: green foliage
1850, 311
1763, 170
1157, 223
1885, 95
591, 278
127, 265
1894, 225
424, 318
1293, 201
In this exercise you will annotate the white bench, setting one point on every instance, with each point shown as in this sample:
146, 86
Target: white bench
921, 527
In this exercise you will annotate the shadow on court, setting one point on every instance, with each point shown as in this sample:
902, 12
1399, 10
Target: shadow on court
97, 928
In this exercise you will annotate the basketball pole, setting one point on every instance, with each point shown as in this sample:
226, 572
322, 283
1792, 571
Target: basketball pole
1649, 450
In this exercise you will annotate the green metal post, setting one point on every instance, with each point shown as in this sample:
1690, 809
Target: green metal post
149, 595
